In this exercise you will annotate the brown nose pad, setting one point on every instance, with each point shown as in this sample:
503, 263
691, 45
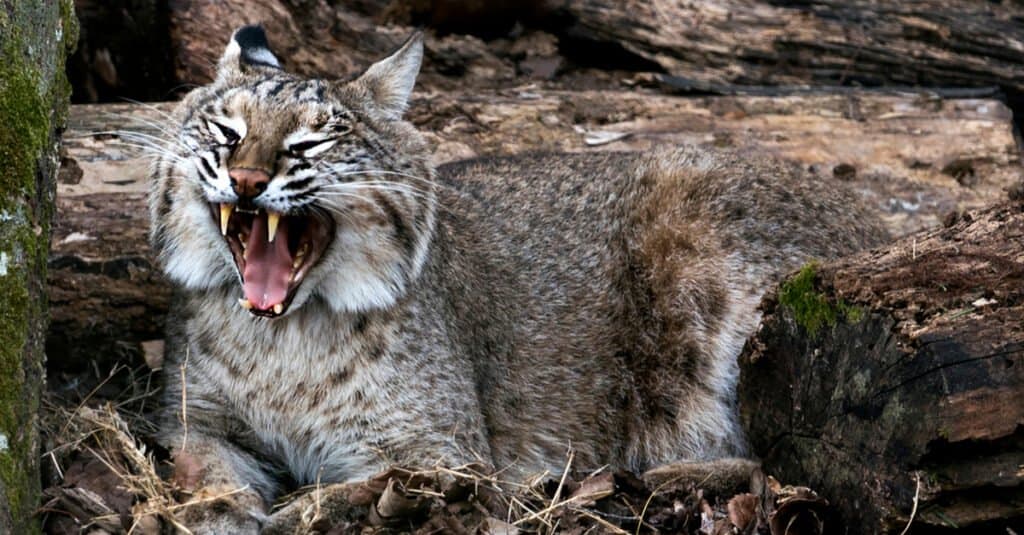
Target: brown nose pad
248, 182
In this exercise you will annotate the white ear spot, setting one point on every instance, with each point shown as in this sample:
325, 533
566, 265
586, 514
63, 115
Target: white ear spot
261, 55
248, 47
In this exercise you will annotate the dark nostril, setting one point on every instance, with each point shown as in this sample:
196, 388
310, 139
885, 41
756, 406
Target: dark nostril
248, 182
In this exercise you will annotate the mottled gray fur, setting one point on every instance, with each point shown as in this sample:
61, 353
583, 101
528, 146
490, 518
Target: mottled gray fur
497, 310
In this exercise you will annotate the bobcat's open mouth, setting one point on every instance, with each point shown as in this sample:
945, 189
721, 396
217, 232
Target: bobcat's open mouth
273, 252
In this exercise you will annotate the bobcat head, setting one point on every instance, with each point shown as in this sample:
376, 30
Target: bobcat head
280, 189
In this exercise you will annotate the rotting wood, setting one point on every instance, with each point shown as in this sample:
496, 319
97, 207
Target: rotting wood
704, 43
900, 365
815, 42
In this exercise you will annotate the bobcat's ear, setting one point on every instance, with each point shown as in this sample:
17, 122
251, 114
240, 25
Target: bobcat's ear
390, 80
248, 49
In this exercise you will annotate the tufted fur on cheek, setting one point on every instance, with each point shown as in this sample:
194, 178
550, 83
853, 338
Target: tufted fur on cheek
187, 243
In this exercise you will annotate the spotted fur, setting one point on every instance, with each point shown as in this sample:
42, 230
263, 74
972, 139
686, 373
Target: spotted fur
499, 310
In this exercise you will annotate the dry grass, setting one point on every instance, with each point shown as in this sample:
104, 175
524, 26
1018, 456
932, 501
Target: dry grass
111, 480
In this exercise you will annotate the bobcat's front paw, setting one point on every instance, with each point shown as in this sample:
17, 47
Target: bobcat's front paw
318, 511
216, 511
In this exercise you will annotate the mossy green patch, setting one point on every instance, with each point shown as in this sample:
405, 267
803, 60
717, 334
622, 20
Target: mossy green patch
811, 308
34, 41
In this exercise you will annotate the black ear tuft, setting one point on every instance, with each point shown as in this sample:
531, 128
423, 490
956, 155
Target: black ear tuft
254, 48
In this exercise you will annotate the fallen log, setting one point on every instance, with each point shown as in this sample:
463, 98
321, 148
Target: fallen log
815, 42
892, 382
707, 44
915, 156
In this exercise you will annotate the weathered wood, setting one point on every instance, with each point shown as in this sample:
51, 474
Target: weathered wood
706, 44
900, 372
898, 149
817, 42
35, 38
333, 40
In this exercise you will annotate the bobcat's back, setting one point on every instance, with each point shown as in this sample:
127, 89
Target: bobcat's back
605, 296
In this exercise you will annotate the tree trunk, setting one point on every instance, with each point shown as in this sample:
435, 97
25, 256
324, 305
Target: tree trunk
894, 380
916, 157
34, 41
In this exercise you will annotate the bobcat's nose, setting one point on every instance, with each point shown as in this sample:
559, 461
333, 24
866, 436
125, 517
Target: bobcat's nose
248, 182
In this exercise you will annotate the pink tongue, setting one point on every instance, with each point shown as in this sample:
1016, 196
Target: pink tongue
268, 266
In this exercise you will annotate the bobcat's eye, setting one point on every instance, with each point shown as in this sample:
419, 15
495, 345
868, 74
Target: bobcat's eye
311, 147
223, 135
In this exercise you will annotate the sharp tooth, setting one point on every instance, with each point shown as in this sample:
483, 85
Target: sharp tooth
225, 216
244, 303
278, 308
272, 219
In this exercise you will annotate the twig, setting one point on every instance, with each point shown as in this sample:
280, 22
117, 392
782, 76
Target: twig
643, 512
913, 510
554, 504
184, 400
604, 523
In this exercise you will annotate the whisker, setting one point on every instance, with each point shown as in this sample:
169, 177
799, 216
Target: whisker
383, 172
149, 151
332, 190
326, 195
151, 107
144, 140
383, 186
162, 128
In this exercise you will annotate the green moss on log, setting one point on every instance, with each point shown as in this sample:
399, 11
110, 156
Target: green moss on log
35, 39
812, 309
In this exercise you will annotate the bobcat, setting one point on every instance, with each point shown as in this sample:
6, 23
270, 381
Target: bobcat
343, 306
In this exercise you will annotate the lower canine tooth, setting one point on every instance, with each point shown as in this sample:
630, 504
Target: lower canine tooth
244, 303
278, 308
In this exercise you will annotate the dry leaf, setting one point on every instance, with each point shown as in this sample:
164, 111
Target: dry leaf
742, 509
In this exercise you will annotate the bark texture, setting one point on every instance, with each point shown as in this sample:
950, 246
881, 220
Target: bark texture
817, 42
34, 41
706, 43
900, 373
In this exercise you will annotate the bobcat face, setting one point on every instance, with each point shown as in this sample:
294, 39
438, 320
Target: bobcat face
295, 188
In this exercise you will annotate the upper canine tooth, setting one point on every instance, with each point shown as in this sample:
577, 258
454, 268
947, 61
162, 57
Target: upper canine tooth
225, 216
272, 219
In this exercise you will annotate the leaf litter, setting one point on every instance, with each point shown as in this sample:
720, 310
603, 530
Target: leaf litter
109, 477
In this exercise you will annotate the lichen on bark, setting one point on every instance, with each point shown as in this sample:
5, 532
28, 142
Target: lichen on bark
35, 39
